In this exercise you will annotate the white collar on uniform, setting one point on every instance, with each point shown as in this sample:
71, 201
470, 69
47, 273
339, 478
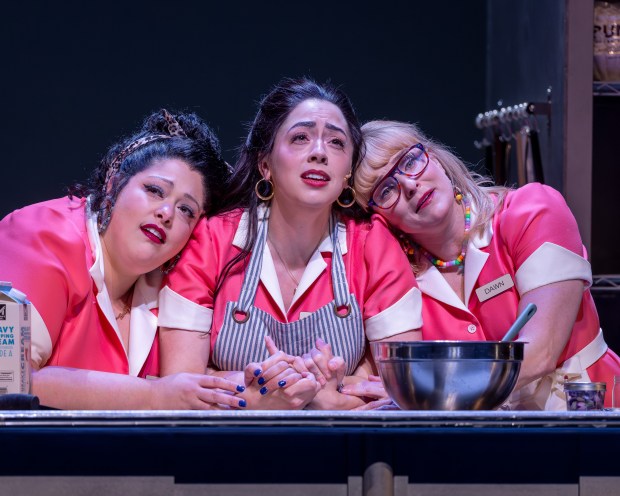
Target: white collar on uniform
263, 212
315, 266
432, 283
143, 323
481, 239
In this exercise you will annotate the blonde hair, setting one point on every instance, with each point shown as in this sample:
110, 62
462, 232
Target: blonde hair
383, 139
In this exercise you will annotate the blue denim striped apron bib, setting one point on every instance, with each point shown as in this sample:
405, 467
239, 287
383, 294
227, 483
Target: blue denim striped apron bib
241, 339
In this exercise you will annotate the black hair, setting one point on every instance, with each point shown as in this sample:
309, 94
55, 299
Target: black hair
200, 149
273, 109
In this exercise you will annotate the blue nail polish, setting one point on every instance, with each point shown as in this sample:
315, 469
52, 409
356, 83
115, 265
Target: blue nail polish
282, 383
242, 403
263, 390
257, 372
240, 389
261, 381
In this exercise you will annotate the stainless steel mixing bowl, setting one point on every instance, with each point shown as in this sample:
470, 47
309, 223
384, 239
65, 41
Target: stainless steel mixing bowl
448, 375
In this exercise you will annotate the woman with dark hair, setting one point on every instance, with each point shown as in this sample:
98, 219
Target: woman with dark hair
287, 282
482, 253
92, 265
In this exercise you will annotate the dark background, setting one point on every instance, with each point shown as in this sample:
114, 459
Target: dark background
78, 75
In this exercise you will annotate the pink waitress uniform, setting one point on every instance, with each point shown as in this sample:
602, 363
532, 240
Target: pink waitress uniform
376, 272
51, 251
532, 241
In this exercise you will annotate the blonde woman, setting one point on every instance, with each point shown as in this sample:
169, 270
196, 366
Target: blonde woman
481, 253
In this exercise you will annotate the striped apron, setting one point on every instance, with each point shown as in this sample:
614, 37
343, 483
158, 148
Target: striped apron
241, 339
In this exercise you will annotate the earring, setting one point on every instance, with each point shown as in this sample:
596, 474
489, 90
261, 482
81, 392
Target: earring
458, 194
170, 264
350, 203
269, 194
105, 213
406, 244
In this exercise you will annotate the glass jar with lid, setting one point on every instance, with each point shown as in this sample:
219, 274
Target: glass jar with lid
607, 41
581, 396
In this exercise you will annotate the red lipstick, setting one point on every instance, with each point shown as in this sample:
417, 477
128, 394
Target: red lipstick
155, 233
425, 200
315, 178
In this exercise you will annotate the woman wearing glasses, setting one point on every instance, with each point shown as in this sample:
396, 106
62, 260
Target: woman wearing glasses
481, 253
289, 287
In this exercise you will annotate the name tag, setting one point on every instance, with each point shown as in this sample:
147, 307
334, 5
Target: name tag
303, 315
494, 288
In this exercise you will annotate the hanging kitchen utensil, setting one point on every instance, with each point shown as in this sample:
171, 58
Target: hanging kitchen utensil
510, 125
537, 174
507, 158
499, 158
503, 147
486, 143
521, 139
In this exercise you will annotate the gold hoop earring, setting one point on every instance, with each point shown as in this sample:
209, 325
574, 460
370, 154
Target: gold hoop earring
269, 195
347, 205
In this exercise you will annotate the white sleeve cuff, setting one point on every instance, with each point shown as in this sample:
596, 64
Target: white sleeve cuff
177, 312
552, 263
404, 315
40, 341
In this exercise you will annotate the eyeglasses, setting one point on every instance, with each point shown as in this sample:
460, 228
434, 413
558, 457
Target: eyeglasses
387, 191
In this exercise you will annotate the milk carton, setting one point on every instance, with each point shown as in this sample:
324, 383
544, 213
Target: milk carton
14, 340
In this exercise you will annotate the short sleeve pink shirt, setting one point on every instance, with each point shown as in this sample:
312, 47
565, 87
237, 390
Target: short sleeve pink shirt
46, 253
533, 240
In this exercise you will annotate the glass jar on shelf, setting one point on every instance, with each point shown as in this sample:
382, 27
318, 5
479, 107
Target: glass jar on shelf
606, 41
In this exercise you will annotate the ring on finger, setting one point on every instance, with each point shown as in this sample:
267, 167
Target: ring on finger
339, 387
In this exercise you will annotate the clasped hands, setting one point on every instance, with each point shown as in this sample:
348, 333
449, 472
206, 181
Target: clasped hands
315, 380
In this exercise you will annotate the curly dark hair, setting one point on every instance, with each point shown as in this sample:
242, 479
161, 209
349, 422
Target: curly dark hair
199, 148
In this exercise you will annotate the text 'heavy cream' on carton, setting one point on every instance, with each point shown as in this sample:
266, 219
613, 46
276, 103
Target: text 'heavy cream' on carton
14, 340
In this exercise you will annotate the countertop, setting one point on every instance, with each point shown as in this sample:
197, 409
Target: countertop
383, 452
284, 418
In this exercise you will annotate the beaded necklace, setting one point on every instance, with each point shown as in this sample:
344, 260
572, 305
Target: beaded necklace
461, 258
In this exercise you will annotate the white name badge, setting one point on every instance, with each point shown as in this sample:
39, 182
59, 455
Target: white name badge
494, 288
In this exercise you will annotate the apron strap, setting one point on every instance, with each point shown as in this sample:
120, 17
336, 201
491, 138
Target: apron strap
342, 296
252, 275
